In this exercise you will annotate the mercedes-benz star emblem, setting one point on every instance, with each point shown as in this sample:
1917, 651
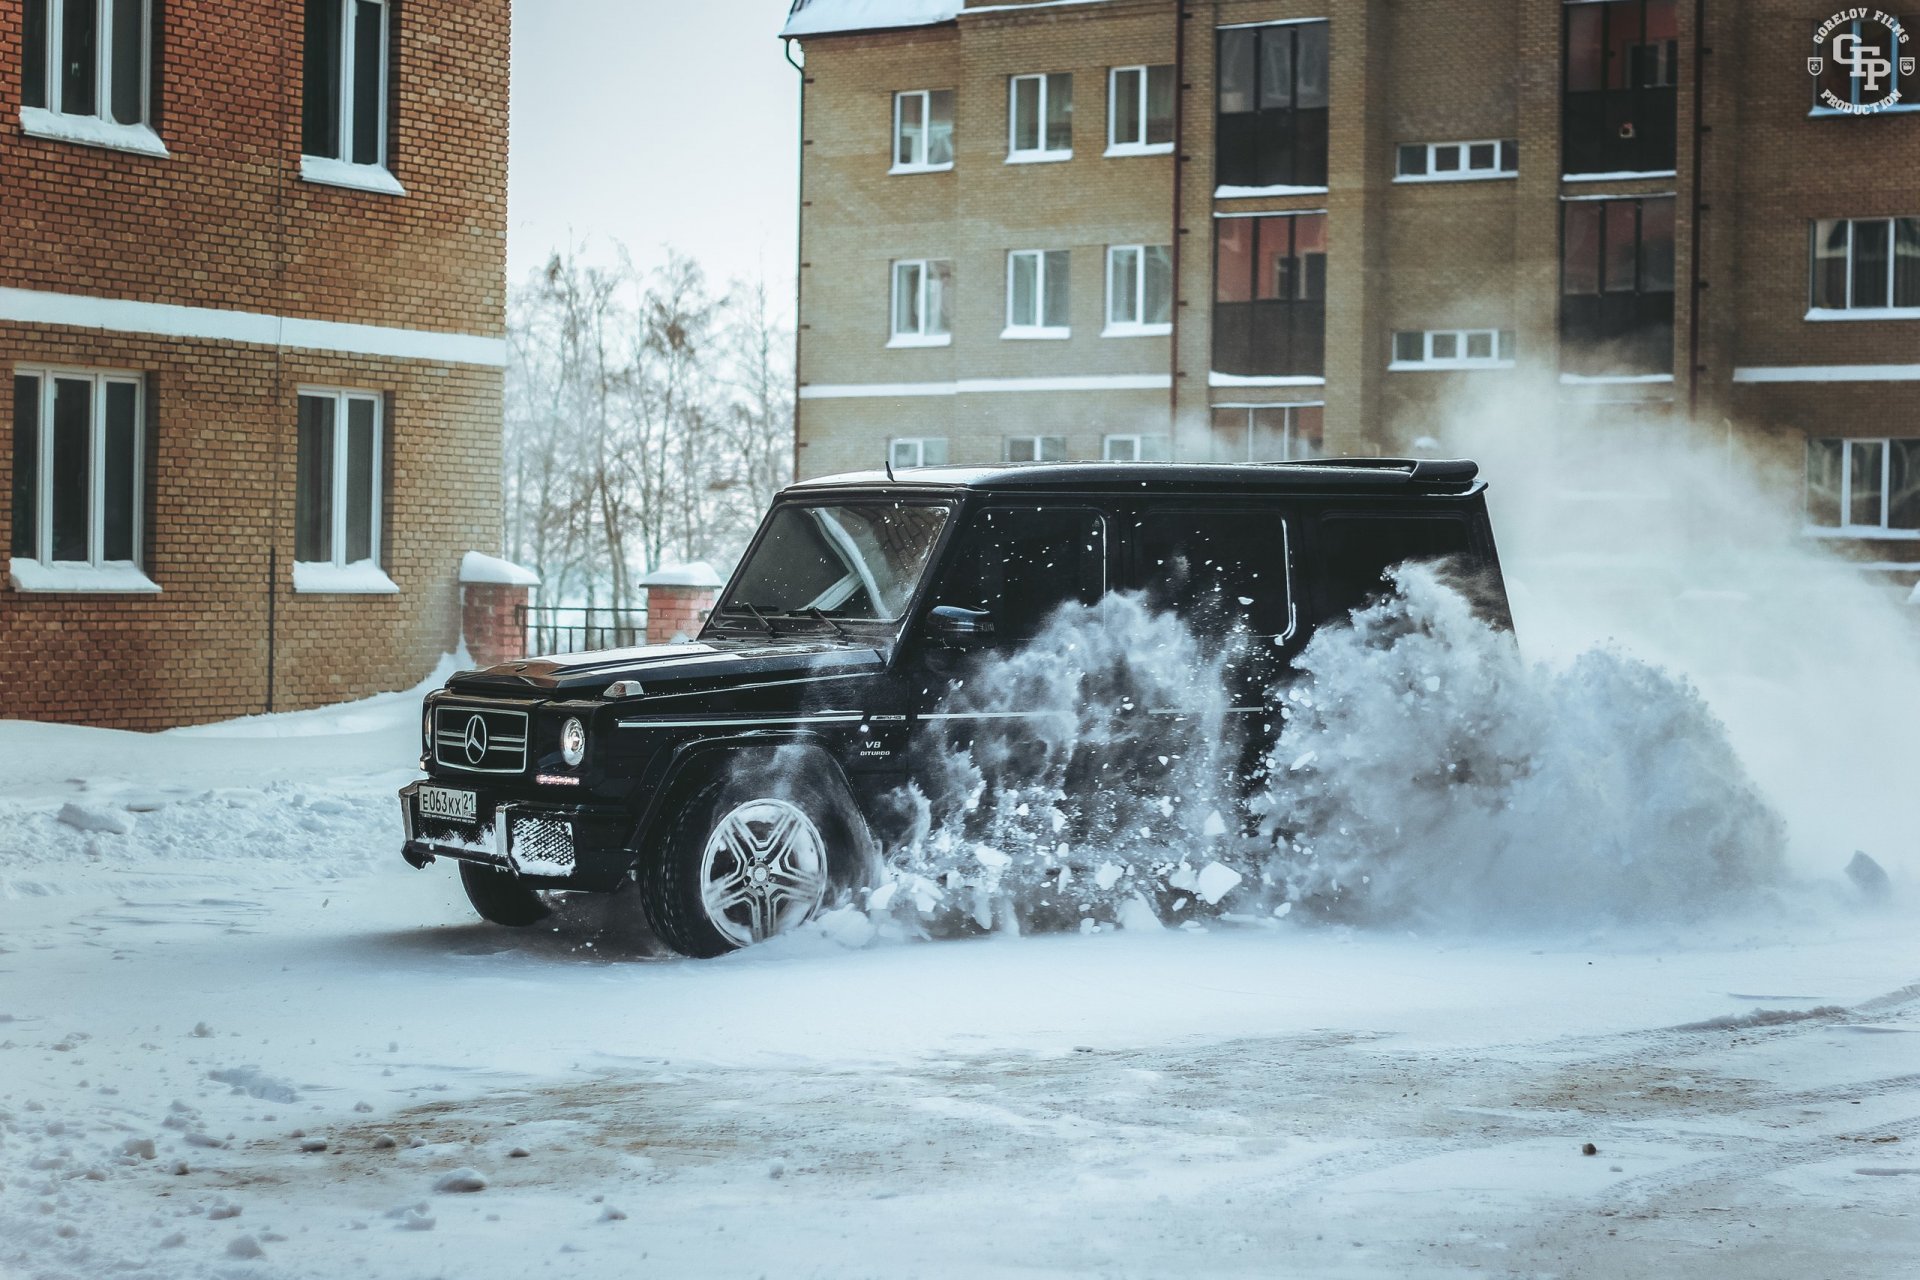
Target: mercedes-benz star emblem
476, 740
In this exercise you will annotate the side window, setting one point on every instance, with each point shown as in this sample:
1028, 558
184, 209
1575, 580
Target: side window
1022, 563
1356, 551
1218, 570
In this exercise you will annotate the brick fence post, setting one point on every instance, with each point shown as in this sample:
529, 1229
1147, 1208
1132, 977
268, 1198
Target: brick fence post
679, 600
494, 595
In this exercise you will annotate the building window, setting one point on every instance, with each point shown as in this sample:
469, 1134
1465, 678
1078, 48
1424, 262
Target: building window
1621, 60
1836, 88
1270, 295
923, 131
1140, 110
922, 288
78, 480
1034, 449
1864, 486
916, 451
1271, 127
1136, 447
1452, 349
87, 72
337, 505
1139, 290
1267, 432
1616, 287
1456, 161
1865, 268
1040, 117
1037, 294
344, 125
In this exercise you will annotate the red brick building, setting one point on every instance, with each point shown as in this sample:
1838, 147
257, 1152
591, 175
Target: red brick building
252, 304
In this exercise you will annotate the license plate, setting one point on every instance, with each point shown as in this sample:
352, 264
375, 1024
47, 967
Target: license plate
445, 802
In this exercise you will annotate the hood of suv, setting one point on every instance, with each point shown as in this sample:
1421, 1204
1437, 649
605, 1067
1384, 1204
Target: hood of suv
672, 668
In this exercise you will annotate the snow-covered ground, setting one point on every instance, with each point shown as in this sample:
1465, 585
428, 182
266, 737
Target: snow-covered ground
238, 1037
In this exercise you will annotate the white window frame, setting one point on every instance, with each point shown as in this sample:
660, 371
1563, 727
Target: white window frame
338, 575
907, 452
95, 573
1849, 311
1040, 154
1464, 173
1288, 437
926, 134
922, 337
1142, 147
1502, 342
1137, 442
1134, 327
1040, 330
340, 171
97, 128
1038, 446
1879, 531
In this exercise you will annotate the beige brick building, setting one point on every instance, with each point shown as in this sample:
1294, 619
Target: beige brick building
1267, 227
252, 308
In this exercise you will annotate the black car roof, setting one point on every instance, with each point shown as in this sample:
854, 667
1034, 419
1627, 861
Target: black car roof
1399, 476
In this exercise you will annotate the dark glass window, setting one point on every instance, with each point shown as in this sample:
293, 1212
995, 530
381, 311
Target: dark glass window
1865, 262
337, 505
72, 468
1020, 564
1271, 121
1270, 291
33, 55
120, 464
26, 466
1356, 551
361, 469
87, 58
344, 112
1873, 484
1040, 114
1218, 571
1616, 286
1140, 106
79, 57
859, 562
1620, 69
313, 505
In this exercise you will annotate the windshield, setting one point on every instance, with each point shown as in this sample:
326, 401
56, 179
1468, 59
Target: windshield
860, 562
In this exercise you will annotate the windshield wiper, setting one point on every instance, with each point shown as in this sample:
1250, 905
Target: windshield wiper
815, 612
757, 616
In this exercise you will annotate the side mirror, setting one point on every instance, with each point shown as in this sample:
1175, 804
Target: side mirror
955, 628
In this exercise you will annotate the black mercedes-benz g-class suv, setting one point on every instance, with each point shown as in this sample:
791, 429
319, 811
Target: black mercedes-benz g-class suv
742, 778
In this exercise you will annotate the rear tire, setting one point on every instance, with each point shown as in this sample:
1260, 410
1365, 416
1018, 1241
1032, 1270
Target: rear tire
501, 897
744, 861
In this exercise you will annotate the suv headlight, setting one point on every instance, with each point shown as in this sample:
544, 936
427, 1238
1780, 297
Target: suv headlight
573, 741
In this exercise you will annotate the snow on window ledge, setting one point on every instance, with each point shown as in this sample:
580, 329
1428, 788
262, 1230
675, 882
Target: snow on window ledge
1461, 175
1038, 157
119, 578
1617, 175
91, 131
900, 340
1248, 193
339, 173
1862, 313
1862, 532
1035, 333
1140, 149
1610, 379
1217, 379
922, 168
1413, 366
361, 578
1126, 330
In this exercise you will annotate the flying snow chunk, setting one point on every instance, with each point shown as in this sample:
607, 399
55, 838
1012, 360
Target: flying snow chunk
1215, 881
461, 1180
1136, 916
1214, 827
1107, 875
1302, 762
81, 818
991, 859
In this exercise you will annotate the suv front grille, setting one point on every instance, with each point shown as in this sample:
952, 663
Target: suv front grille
480, 740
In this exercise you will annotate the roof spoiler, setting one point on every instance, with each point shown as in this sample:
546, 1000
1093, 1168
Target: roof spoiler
1418, 470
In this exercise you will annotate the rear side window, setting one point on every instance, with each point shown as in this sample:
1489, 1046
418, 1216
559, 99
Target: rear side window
1356, 551
1022, 563
1218, 570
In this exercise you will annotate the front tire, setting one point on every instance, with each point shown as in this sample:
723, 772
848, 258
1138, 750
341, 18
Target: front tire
740, 865
501, 897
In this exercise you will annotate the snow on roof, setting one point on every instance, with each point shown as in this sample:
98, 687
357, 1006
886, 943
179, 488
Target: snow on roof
821, 17
697, 574
479, 568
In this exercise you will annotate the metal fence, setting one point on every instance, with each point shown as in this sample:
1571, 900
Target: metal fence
577, 629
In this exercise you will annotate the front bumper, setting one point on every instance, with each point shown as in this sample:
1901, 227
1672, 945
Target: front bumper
563, 846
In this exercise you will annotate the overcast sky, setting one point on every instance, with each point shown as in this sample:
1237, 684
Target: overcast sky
654, 123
